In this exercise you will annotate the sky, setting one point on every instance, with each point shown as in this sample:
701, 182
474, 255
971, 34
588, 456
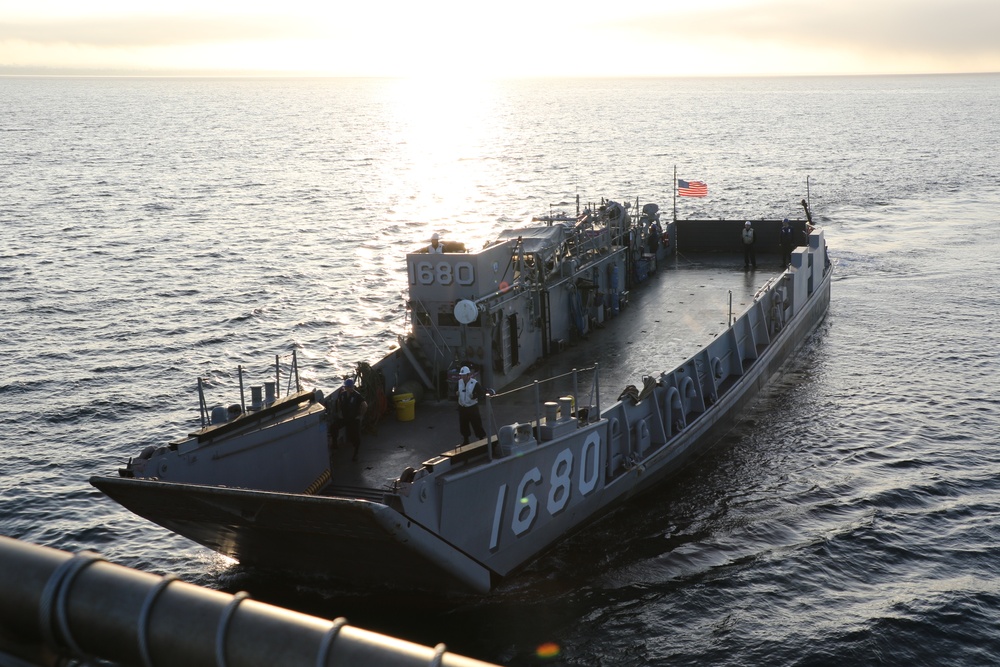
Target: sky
512, 38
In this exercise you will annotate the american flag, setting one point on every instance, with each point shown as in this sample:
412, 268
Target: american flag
692, 188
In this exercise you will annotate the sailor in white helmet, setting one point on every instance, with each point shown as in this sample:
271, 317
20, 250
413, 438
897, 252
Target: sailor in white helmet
469, 392
435, 248
749, 238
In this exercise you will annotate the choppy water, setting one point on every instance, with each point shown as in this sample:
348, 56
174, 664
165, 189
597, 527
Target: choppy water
154, 230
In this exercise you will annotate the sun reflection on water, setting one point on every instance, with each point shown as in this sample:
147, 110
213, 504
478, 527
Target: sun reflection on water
442, 130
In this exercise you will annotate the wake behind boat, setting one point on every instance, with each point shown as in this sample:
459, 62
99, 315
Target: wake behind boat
547, 300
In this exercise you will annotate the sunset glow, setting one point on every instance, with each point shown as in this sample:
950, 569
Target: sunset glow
515, 39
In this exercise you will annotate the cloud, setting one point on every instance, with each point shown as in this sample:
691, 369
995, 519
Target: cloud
149, 31
933, 28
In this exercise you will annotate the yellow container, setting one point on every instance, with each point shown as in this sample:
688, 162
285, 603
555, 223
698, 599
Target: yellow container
405, 407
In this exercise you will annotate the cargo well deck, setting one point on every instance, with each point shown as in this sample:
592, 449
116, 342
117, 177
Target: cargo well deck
674, 313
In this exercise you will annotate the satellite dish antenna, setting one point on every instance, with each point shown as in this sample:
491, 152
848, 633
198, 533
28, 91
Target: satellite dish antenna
466, 311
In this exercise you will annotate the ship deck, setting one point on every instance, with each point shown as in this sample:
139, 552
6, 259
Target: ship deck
668, 318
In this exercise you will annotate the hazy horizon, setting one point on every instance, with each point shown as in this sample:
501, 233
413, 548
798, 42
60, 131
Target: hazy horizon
522, 38
152, 74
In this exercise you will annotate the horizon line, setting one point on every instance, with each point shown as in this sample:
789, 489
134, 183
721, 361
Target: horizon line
263, 74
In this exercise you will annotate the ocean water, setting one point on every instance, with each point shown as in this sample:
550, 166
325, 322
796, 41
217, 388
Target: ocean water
156, 230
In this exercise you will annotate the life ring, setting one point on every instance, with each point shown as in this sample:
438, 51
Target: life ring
503, 287
717, 368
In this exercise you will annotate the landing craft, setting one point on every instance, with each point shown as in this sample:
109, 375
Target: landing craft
259, 484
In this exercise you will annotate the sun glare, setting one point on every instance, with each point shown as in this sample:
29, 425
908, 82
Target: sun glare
438, 126
520, 38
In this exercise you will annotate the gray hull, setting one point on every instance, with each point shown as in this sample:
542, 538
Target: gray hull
470, 516
311, 535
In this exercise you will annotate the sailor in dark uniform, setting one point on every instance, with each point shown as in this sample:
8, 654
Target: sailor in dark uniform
348, 410
786, 239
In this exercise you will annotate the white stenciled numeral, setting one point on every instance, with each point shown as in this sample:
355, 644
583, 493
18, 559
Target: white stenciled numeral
562, 468
444, 273
497, 515
464, 273
527, 503
590, 458
425, 273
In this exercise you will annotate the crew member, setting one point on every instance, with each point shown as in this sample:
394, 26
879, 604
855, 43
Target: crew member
786, 238
469, 392
435, 248
348, 411
749, 237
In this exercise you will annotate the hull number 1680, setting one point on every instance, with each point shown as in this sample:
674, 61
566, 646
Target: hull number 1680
561, 486
442, 273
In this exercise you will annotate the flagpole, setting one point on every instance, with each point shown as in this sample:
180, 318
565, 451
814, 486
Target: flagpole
675, 193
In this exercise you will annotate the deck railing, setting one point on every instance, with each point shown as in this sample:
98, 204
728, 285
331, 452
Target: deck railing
56, 606
536, 387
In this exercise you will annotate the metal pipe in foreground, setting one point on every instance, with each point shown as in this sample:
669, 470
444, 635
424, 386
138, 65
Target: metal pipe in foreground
56, 604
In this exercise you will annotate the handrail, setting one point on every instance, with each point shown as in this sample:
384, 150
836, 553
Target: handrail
254, 418
84, 607
551, 378
293, 375
493, 428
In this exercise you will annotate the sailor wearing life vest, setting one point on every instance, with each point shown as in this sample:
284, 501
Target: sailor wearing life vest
435, 248
469, 393
749, 238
